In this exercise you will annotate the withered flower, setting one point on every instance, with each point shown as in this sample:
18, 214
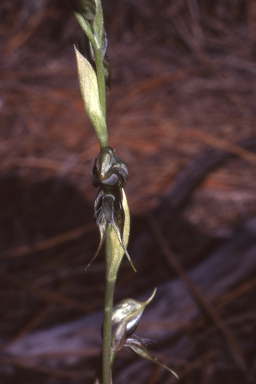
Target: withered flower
110, 173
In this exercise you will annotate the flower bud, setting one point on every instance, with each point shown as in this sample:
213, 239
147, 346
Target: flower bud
87, 8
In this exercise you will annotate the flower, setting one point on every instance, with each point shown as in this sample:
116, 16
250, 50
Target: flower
110, 173
125, 319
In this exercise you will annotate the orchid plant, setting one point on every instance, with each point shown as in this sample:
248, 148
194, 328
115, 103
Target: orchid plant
110, 175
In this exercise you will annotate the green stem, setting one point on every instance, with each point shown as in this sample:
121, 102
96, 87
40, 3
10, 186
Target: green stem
101, 79
113, 254
85, 26
97, 25
108, 307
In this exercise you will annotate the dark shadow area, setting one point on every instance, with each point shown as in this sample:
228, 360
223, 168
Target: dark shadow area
47, 239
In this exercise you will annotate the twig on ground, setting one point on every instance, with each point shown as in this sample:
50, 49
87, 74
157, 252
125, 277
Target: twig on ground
234, 348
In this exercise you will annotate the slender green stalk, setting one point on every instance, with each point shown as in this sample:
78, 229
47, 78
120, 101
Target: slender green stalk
93, 92
110, 281
101, 79
113, 255
98, 28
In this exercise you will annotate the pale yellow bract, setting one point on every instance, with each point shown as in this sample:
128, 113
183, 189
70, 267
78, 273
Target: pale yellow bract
90, 95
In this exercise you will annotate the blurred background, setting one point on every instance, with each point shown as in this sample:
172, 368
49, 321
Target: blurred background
182, 115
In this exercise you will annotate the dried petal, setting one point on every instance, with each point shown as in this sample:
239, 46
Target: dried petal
107, 71
104, 43
106, 61
138, 346
100, 221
